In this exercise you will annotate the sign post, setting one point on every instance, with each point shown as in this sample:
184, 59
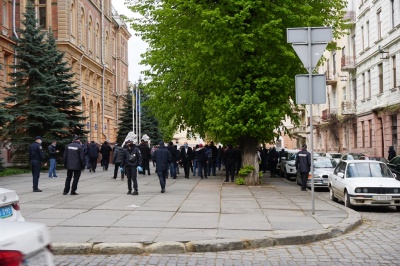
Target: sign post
309, 44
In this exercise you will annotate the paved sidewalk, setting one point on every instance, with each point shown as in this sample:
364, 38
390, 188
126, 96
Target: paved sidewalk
194, 215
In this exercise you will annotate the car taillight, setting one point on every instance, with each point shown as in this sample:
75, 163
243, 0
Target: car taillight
10, 258
16, 206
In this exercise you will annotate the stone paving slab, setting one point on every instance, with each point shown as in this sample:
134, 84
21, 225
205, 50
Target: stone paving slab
192, 215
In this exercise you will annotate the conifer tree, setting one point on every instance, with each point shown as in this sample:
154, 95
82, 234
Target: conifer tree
125, 124
149, 124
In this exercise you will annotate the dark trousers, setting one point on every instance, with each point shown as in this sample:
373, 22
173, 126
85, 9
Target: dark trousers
36, 166
146, 166
211, 167
162, 175
105, 161
186, 168
76, 174
131, 174
93, 162
304, 178
230, 171
202, 167
116, 169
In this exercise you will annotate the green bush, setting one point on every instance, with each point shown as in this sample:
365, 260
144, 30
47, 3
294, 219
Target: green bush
14, 171
247, 169
240, 181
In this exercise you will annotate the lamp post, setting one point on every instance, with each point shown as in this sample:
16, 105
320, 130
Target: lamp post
139, 111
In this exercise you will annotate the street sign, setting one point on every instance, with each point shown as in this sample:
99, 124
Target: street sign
317, 50
303, 91
318, 35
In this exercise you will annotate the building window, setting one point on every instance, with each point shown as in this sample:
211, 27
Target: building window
82, 27
380, 68
90, 32
367, 34
394, 70
362, 135
379, 23
362, 38
107, 44
369, 83
73, 16
392, 13
96, 40
6, 69
394, 130
370, 132
4, 20
354, 135
354, 83
363, 86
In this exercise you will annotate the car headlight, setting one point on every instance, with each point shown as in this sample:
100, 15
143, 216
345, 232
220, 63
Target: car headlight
361, 190
291, 165
396, 190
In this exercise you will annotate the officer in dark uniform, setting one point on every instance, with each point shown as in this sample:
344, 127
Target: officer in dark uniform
303, 164
36, 156
74, 161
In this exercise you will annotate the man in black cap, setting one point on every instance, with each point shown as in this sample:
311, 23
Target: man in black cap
163, 159
303, 164
36, 156
74, 161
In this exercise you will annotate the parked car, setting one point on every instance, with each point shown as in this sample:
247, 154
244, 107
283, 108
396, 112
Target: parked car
374, 158
25, 244
322, 168
335, 156
394, 166
364, 183
9, 206
286, 165
351, 156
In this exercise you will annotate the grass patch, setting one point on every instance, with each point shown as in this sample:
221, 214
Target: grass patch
14, 171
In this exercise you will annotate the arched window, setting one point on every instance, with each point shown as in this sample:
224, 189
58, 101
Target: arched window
96, 40
90, 32
82, 23
99, 125
106, 48
91, 120
73, 17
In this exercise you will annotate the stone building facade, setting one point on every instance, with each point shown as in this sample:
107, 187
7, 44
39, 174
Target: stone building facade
95, 41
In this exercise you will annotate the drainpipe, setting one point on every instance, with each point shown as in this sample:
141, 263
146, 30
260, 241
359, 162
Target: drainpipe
14, 32
104, 69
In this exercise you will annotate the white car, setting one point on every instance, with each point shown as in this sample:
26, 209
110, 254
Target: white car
25, 244
9, 206
323, 167
287, 163
364, 183
336, 156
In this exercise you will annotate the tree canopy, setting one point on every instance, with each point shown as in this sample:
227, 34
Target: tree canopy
223, 69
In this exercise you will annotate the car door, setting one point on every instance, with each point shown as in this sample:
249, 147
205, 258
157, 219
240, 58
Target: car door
337, 181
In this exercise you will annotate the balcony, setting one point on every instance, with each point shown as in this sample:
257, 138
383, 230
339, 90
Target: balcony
348, 63
350, 17
348, 107
300, 130
330, 78
316, 120
327, 113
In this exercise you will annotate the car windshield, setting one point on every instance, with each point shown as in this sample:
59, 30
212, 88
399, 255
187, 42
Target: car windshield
292, 156
324, 163
368, 170
336, 155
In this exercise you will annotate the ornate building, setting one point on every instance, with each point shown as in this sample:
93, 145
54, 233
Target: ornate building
95, 41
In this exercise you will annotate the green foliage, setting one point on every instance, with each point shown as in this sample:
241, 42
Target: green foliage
14, 171
224, 69
240, 181
125, 124
42, 99
247, 169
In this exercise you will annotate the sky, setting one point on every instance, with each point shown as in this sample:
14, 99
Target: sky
135, 45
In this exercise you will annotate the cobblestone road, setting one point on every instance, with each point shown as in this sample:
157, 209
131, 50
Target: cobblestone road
376, 242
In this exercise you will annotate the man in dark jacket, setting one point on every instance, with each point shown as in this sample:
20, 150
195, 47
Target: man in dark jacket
93, 153
118, 157
132, 160
146, 153
105, 151
303, 164
392, 153
273, 158
186, 158
36, 156
229, 158
212, 159
163, 158
53, 159
172, 165
201, 161
74, 162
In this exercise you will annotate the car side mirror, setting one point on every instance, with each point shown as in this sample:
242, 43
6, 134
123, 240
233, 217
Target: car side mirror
340, 174
394, 175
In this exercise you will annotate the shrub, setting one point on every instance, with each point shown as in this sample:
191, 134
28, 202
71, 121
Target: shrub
247, 169
14, 171
240, 181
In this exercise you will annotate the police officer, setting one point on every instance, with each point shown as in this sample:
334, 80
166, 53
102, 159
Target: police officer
36, 156
74, 161
303, 164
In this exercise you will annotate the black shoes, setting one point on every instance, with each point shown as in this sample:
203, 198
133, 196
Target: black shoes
174, 177
74, 193
37, 190
163, 190
226, 181
129, 192
65, 193
135, 193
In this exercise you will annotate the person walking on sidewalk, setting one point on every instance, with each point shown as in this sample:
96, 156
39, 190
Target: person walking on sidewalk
303, 164
36, 156
146, 154
74, 162
132, 160
53, 159
163, 158
229, 158
105, 151
172, 165
185, 158
118, 158
93, 153
201, 161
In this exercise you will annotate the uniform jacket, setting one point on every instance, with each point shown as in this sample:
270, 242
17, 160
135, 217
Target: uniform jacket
303, 161
36, 152
74, 157
162, 157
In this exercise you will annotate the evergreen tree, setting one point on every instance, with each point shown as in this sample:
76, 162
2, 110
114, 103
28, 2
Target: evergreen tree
149, 124
125, 121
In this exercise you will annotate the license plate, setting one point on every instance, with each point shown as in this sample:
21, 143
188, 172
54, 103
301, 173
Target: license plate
5, 212
325, 181
384, 197
40, 258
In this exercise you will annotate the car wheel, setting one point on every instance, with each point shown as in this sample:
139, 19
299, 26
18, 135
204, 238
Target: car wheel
347, 200
332, 195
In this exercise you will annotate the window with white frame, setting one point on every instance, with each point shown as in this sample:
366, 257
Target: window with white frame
362, 38
367, 34
41, 12
4, 20
334, 63
394, 70
379, 23
369, 83
363, 86
380, 71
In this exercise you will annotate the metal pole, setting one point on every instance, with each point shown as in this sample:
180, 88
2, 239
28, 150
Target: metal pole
136, 111
139, 110
310, 70
133, 108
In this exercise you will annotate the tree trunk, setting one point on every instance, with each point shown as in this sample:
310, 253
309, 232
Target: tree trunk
248, 147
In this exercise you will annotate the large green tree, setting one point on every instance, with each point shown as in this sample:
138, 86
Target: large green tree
149, 124
41, 99
224, 68
125, 124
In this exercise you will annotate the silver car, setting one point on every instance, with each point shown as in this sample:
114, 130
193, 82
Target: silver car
323, 167
9, 206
